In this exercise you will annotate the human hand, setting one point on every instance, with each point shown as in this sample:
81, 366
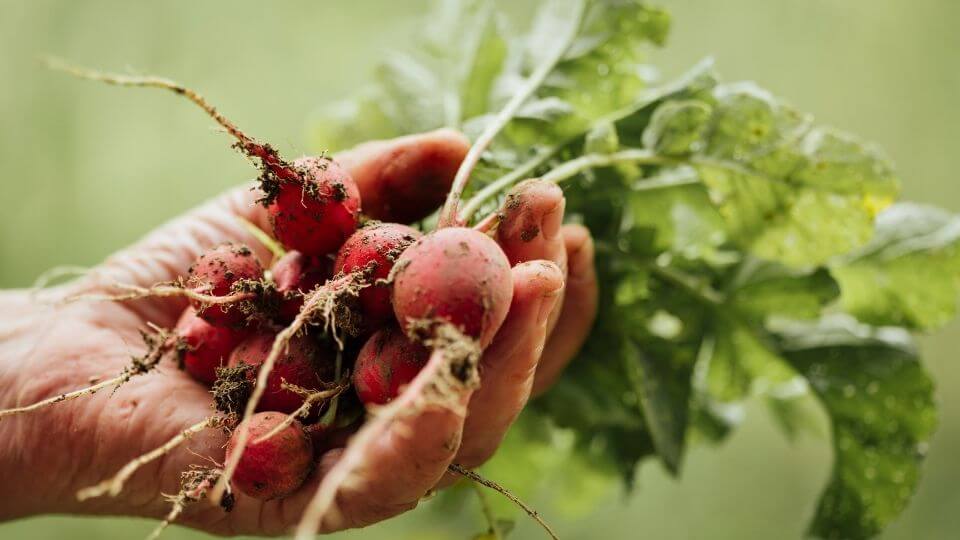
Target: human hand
47, 349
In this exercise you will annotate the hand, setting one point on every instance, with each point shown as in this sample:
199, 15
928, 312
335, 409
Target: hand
46, 349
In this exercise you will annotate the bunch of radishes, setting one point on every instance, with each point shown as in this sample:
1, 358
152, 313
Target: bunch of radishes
371, 296
349, 312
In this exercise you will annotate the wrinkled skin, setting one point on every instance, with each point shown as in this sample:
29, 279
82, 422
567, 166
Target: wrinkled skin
48, 349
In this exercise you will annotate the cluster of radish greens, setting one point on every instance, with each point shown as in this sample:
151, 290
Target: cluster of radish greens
743, 252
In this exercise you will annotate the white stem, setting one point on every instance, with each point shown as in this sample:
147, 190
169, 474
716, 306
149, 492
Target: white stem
561, 172
590, 161
498, 185
448, 214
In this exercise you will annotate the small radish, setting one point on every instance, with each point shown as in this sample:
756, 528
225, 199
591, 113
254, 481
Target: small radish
294, 275
457, 275
275, 467
377, 247
207, 347
387, 362
217, 272
316, 214
302, 363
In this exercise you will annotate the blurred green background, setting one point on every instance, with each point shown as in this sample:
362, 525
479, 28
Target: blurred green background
87, 169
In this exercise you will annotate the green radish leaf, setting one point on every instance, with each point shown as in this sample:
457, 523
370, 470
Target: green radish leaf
678, 128
765, 289
416, 100
880, 403
742, 363
796, 414
679, 217
466, 46
600, 75
908, 275
664, 398
788, 191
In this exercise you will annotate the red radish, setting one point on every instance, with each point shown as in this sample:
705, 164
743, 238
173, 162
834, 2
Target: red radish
377, 247
275, 467
457, 275
387, 362
318, 213
208, 346
215, 272
295, 274
303, 363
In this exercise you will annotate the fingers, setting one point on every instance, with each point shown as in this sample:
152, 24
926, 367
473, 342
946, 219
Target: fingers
529, 228
405, 179
399, 471
508, 365
579, 311
530, 223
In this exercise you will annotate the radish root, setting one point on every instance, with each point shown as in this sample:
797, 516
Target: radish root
463, 471
54, 274
114, 485
310, 400
274, 169
135, 292
194, 485
159, 343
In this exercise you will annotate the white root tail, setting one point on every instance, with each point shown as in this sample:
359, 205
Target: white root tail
158, 344
114, 485
194, 484
135, 292
62, 397
175, 511
462, 471
302, 410
273, 164
150, 81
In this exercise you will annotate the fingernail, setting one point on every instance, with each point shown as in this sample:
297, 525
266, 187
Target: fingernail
546, 305
551, 222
